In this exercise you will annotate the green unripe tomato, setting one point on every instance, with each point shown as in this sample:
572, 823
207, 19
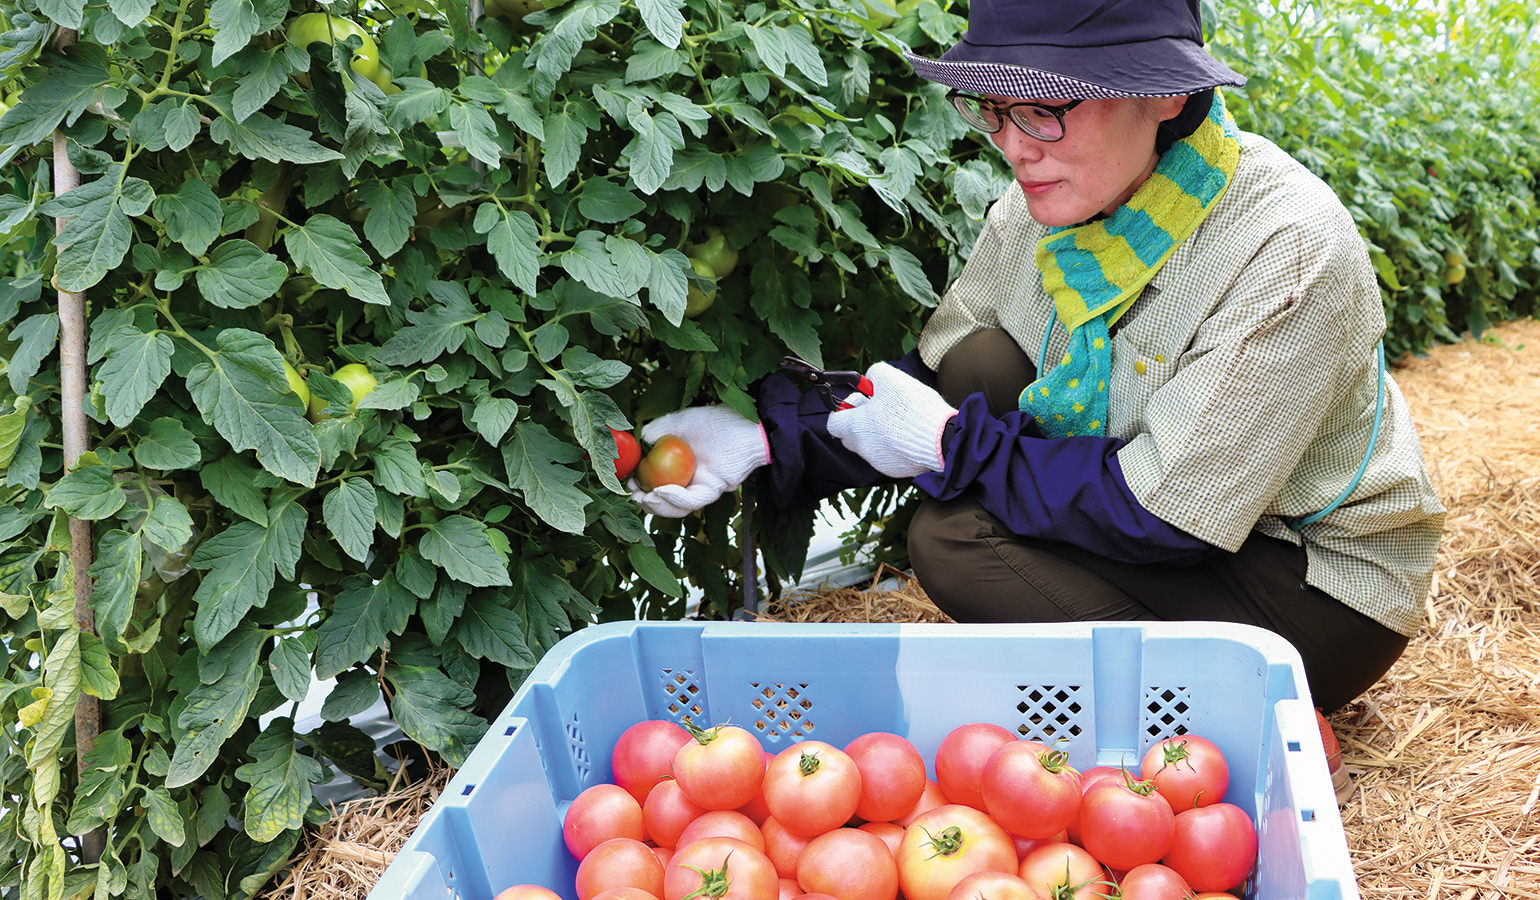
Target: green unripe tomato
1454, 274
716, 252
698, 301
319, 28
296, 383
879, 13
358, 379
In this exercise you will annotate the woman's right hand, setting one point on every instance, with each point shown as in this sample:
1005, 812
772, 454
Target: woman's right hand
728, 447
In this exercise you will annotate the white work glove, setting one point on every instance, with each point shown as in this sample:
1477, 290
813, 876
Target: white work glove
898, 428
727, 448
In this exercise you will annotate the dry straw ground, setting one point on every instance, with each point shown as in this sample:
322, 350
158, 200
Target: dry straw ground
1445, 750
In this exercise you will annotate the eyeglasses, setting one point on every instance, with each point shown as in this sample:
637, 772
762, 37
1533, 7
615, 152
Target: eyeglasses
1039, 120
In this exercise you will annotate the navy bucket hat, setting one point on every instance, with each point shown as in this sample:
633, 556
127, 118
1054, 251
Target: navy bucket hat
1080, 49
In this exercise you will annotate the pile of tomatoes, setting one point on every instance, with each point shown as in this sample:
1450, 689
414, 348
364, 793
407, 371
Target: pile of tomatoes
708, 813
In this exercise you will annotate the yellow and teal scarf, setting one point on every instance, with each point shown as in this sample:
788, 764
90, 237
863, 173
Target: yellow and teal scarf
1094, 272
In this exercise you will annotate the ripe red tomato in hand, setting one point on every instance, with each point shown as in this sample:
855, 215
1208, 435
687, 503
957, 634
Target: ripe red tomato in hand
721, 768
1125, 824
811, 787
628, 453
598, 814
720, 868
670, 461
848, 864
947, 844
962, 756
1063, 872
1213, 847
1188, 770
892, 775
644, 755
619, 863
1030, 790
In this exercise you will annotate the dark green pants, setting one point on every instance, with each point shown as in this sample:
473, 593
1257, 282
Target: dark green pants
977, 571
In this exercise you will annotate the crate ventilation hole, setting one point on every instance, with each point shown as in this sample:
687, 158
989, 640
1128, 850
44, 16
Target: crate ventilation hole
782, 711
579, 749
1049, 712
1167, 711
681, 695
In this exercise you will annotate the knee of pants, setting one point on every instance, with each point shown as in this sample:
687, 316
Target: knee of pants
988, 361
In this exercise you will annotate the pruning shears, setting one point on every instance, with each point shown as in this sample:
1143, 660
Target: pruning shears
833, 387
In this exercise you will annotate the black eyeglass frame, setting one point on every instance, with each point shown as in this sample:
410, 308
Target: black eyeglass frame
1007, 111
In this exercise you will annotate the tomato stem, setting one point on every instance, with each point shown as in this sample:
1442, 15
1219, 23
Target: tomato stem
808, 764
948, 843
702, 735
713, 882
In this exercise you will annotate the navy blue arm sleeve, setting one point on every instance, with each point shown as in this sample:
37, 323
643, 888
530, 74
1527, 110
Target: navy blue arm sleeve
1067, 489
806, 462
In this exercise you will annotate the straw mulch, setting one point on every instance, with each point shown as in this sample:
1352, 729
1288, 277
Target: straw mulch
1445, 750
344, 858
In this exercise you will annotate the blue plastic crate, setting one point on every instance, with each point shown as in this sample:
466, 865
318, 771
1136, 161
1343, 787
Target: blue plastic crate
1107, 690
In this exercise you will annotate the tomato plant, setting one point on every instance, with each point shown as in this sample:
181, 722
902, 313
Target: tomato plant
1030, 790
892, 775
599, 813
313, 28
1125, 823
848, 864
721, 767
1188, 770
619, 863
962, 757
644, 753
945, 845
1213, 847
720, 868
669, 461
811, 787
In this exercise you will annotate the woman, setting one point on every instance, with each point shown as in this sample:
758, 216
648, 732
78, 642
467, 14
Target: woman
1153, 392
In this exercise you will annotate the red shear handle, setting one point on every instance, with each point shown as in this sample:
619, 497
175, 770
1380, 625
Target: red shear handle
864, 385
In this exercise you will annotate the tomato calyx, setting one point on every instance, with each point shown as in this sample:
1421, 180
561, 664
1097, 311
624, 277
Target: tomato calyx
702, 736
948, 843
1054, 761
1174, 753
808, 764
1143, 788
1066, 891
713, 882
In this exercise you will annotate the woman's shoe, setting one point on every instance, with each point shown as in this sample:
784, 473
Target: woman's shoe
1341, 781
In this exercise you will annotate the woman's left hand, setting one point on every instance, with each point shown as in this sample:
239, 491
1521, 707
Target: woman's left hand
898, 428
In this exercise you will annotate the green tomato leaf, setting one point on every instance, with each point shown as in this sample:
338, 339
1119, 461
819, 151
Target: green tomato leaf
103, 782
534, 461
214, 711
460, 546
513, 239
397, 393
12, 425
235, 23
348, 511
565, 135
37, 334
163, 816
183, 122
97, 231
168, 526
602, 200
243, 561
88, 491
392, 210
115, 574
477, 131
262, 75
69, 85
355, 692
327, 250
259, 136
192, 215
167, 446
235, 486
909, 273
280, 777
289, 664
98, 677
652, 146
136, 364
592, 260
554, 51
430, 708
492, 417
239, 275
488, 629
398, 470
418, 101
663, 20
242, 391
648, 564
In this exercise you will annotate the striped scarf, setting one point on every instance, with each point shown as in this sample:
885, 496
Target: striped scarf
1094, 272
